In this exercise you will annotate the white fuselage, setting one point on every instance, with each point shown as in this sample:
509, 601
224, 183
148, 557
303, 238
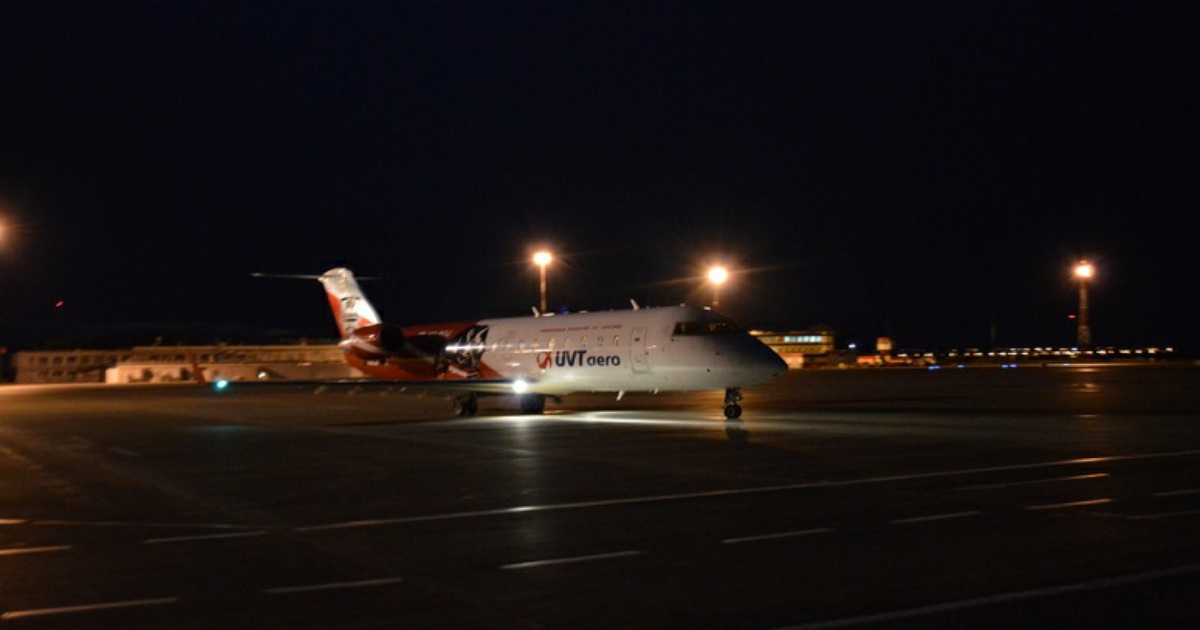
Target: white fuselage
671, 348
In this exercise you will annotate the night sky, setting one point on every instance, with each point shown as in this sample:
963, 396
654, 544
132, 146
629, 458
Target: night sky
925, 170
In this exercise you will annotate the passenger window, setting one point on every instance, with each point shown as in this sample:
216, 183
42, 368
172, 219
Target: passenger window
600, 341
617, 341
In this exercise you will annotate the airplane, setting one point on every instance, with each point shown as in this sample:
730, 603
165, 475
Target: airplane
679, 348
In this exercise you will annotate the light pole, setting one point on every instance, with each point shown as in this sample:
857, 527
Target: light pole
541, 259
718, 276
1084, 272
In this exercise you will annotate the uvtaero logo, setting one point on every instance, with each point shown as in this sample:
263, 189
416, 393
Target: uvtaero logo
575, 358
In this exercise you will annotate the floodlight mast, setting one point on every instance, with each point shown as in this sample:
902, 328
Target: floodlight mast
1084, 271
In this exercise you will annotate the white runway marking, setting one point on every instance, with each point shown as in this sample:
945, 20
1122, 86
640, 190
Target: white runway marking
761, 537
11, 521
546, 563
934, 517
155, 541
1177, 493
937, 609
1151, 517
66, 610
1060, 506
734, 492
16, 551
124, 452
331, 586
993, 486
62, 523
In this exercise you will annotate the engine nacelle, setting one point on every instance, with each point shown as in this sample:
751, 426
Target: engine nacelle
375, 343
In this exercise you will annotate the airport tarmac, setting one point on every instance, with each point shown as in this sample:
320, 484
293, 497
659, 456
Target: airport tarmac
983, 497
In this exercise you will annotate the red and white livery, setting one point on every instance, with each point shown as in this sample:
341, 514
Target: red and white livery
677, 348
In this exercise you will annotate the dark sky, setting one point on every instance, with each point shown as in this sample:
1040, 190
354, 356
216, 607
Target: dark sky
918, 169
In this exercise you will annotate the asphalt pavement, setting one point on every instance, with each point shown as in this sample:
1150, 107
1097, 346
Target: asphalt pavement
982, 497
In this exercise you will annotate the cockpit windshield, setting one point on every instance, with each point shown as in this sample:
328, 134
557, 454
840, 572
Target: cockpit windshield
711, 325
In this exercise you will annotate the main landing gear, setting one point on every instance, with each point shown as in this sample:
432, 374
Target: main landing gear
532, 403
465, 405
733, 396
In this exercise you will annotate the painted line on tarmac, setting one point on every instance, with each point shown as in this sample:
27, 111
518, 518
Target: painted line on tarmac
123, 452
179, 539
577, 559
1002, 598
1151, 517
995, 486
1062, 506
1177, 493
17, 551
730, 493
331, 586
935, 517
67, 610
12, 521
66, 523
778, 536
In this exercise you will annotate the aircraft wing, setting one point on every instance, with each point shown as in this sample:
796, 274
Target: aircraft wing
447, 387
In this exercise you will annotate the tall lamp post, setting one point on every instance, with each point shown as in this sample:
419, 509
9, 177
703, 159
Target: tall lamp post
718, 276
541, 259
1084, 271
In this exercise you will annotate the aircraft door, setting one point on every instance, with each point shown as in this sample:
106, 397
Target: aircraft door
637, 351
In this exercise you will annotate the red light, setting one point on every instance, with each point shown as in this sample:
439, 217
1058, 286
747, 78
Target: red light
60, 304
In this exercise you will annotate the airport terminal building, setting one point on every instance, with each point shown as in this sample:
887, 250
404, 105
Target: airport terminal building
166, 364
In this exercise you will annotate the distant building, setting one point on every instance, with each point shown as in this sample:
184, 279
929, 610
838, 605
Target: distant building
797, 348
164, 364
65, 366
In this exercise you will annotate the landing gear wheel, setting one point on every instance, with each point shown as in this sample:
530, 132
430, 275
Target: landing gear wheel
465, 405
733, 396
532, 403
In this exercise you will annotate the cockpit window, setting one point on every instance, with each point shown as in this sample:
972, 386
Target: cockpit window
712, 326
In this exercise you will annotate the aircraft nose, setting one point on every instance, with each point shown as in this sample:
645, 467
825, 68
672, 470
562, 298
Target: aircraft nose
774, 364
766, 364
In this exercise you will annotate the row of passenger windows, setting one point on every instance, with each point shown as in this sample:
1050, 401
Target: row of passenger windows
566, 343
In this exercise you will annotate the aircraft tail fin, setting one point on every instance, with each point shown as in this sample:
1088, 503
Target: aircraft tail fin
350, 307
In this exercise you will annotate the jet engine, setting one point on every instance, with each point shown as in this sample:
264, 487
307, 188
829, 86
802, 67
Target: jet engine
377, 342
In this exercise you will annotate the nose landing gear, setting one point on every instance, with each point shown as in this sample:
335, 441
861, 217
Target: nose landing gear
465, 405
733, 396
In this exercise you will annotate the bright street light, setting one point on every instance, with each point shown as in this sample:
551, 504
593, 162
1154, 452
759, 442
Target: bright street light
1084, 271
541, 259
717, 275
